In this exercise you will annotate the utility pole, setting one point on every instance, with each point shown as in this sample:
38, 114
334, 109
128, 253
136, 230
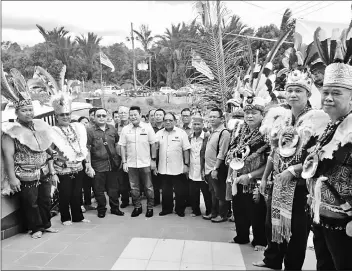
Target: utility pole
150, 71
134, 59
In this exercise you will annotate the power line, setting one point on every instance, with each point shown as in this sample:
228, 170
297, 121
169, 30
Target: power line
283, 9
321, 8
300, 11
302, 5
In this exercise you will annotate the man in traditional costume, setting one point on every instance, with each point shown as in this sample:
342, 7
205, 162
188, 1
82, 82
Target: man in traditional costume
246, 160
290, 132
25, 145
328, 167
71, 144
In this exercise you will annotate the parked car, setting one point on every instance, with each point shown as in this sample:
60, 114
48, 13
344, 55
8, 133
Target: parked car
182, 92
110, 90
166, 90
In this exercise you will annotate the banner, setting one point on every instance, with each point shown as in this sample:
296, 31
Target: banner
106, 61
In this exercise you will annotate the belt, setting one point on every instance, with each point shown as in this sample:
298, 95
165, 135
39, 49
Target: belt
31, 172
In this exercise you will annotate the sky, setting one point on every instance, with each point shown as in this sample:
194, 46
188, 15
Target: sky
112, 19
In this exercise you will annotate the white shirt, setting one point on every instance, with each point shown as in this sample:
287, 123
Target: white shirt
137, 140
171, 147
194, 165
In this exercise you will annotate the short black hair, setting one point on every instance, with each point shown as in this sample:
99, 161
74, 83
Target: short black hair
92, 110
100, 108
172, 114
115, 112
81, 118
134, 107
185, 110
150, 111
144, 116
215, 109
161, 110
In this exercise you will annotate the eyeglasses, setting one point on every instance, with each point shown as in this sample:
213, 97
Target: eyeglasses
185, 116
168, 120
101, 116
64, 114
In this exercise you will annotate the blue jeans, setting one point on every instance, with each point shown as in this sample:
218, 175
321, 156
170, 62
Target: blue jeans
217, 190
141, 175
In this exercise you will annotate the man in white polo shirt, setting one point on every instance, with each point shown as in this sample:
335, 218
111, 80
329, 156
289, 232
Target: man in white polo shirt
138, 153
173, 163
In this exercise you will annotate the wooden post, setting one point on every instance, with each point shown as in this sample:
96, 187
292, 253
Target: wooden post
150, 71
134, 59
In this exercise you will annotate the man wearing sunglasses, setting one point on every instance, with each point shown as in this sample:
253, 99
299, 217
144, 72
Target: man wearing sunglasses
103, 149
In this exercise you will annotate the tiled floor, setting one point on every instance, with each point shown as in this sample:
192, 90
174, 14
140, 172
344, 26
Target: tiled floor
114, 242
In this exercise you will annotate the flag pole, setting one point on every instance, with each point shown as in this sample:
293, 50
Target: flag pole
101, 83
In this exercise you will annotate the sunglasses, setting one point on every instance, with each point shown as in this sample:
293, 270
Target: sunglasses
64, 114
101, 116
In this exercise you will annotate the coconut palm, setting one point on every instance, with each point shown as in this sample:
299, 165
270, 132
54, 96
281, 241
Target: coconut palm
89, 47
54, 35
144, 37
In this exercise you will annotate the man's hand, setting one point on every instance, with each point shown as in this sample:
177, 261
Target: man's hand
262, 186
152, 165
243, 179
55, 180
15, 185
284, 177
186, 171
155, 172
125, 167
214, 174
90, 171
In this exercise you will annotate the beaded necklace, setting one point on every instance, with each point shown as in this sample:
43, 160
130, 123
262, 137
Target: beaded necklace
70, 141
246, 138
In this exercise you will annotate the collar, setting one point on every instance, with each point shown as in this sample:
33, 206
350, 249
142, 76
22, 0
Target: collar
123, 125
202, 135
98, 128
173, 130
161, 127
221, 127
186, 127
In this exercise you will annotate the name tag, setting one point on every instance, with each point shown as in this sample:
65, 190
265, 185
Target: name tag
143, 134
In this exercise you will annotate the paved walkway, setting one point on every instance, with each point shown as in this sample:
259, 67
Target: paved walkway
120, 243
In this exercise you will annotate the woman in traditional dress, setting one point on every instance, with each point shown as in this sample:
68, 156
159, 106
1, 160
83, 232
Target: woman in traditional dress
290, 133
71, 144
25, 146
246, 159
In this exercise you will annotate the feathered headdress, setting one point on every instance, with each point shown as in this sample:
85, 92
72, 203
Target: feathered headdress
299, 78
15, 89
61, 103
51, 85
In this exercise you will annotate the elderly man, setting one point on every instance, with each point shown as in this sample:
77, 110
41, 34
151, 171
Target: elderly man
138, 154
173, 163
331, 183
198, 140
215, 168
150, 117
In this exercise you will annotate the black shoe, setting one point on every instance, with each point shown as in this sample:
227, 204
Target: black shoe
117, 212
240, 241
162, 213
101, 215
180, 214
124, 205
136, 212
149, 213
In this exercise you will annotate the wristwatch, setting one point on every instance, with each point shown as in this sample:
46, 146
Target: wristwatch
249, 176
187, 165
154, 159
215, 169
291, 169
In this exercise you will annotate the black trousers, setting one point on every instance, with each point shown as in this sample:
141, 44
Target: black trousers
217, 190
70, 195
156, 180
124, 186
294, 252
195, 188
171, 183
332, 248
35, 205
87, 189
248, 213
106, 181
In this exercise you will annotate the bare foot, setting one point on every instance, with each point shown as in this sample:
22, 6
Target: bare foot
85, 220
51, 230
37, 235
67, 223
259, 248
260, 264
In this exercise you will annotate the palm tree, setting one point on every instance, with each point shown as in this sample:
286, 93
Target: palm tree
144, 37
89, 48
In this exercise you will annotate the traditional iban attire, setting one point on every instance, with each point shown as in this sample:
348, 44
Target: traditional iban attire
328, 170
248, 152
288, 228
31, 142
71, 144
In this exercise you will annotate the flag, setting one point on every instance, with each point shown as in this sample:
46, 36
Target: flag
104, 60
201, 66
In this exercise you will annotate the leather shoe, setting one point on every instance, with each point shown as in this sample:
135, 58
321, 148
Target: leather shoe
149, 213
124, 205
136, 212
162, 213
181, 214
219, 219
117, 212
101, 215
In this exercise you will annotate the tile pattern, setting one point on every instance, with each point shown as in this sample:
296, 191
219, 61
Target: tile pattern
99, 244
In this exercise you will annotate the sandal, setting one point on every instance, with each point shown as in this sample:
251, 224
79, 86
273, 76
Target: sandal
51, 230
259, 248
67, 223
37, 234
85, 220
